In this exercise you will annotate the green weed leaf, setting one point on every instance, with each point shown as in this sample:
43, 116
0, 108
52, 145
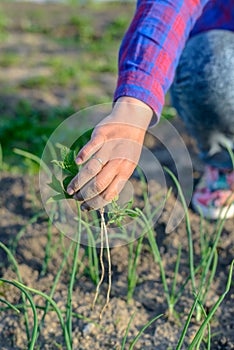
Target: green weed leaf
58, 197
63, 151
69, 163
59, 163
55, 184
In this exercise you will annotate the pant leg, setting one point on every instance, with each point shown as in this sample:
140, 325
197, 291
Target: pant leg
203, 94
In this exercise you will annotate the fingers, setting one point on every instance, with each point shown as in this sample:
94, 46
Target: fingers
90, 148
106, 185
117, 153
114, 188
91, 169
99, 183
107, 196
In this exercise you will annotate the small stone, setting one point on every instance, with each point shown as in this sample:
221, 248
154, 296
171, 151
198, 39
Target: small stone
75, 341
88, 328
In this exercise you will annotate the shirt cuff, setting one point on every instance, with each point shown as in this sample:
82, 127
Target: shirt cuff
142, 87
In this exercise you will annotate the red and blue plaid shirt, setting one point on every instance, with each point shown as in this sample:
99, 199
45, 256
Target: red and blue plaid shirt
152, 46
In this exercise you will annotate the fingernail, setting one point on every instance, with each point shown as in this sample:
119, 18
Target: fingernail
70, 191
83, 207
78, 160
78, 196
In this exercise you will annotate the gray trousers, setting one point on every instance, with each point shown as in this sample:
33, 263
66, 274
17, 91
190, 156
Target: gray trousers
203, 94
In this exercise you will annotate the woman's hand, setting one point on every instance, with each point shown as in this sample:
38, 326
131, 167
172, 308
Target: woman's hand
111, 155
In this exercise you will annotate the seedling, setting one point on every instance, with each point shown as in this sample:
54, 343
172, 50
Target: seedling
116, 216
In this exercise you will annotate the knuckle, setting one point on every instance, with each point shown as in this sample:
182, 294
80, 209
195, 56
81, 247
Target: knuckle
84, 152
97, 138
90, 190
79, 196
126, 173
98, 132
78, 182
99, 185
90, 169
74, 184
86, 193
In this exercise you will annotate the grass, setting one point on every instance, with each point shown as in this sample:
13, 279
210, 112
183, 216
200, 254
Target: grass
9, 59
24, 122
4, 22
26, 127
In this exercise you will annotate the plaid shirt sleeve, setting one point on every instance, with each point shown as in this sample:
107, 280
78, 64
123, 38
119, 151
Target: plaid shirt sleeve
151, 48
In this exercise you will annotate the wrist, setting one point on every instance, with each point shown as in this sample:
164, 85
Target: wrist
132, 111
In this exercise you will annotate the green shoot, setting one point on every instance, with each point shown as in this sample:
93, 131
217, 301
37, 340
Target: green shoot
15, 265
11, 306
209, 331
157, 256
213, 310
33, 157
189, 230
24, 292
104, 233
126, 331
119, 213
132, 265
173, 288
72, 279
133, 343
55, 307
188, 321
47, 248
56, 280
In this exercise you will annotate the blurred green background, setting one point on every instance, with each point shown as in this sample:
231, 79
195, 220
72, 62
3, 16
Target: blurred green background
55, 59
